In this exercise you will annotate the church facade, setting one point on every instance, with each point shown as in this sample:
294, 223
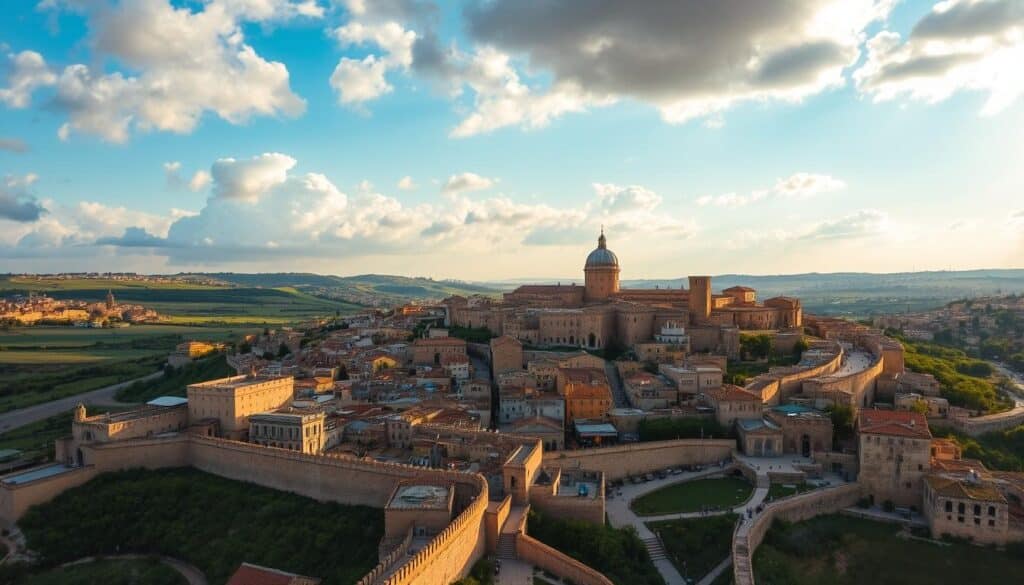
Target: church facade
600, 314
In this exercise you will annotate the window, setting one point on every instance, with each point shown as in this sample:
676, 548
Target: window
991, 510
960, 508
977, 509
949, 506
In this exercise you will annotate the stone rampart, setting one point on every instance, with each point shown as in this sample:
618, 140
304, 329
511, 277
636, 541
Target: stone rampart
781, 383
497, 513
980, 425
16, 499
622, 460
538, 554
747, 537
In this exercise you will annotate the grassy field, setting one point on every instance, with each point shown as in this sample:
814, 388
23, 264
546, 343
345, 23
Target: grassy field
109, 572
693, 496
841, 550
208, 521
209, 368
38, 364
696, 545
185, 303
779, 490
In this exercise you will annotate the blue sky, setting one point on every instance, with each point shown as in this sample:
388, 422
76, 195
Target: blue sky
818, 135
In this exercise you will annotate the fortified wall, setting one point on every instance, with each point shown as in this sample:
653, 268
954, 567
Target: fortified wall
623, 460
446, 558
747, 537
782, 382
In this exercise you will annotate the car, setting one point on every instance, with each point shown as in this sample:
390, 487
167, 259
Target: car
676, 471
660, 474
648, 477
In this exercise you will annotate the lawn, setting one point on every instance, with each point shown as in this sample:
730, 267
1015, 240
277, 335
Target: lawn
847, 551
696, 545
618, 553
109, 572
209, 521
780, 490
693, 496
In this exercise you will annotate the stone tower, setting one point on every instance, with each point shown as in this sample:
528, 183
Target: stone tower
110, 300
700, 299
601, 272
80, 412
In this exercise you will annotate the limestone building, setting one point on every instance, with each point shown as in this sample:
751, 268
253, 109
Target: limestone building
231, 401
894, 450
295, 430
602, 314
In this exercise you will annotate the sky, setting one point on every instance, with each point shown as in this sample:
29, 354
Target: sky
493, 139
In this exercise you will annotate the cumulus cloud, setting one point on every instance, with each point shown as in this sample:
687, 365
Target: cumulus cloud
74, 228
172, 172
796, 186
260, 207
972, 45
248, 180
188, 63
689, 58
17, 203
27, 71
361, 80
13, 145
406, 183
466, 182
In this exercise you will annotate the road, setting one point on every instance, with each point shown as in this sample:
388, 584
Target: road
100, 397
1017, 379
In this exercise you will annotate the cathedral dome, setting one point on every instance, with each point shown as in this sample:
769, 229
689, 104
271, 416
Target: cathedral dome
602, 257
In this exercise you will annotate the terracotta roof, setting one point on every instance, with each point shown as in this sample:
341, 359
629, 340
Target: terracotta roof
504, 340
589, 375
730, 393
248, 574
739, 289
898, 423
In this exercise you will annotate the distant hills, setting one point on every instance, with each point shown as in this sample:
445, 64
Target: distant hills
854, 294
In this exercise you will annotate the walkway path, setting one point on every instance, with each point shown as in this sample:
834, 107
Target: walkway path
191, 573
100, 397
620, 515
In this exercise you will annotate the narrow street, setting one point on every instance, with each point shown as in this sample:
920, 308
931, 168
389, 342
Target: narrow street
618, 391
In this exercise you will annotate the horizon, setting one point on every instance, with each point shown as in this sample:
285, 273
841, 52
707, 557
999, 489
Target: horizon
460, 141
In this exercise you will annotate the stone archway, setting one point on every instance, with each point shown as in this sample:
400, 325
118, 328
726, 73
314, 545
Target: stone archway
805, 445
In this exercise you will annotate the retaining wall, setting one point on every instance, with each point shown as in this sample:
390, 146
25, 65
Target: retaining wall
538, 554
622, 460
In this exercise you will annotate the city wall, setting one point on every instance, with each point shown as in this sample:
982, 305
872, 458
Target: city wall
746, 538
980, 425
623, 460
538, 554
781, 383
447, 557
859, 386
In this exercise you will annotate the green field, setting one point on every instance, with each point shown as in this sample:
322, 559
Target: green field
174, 382
108, 572
186, 303
208, 521
38, 364
842, 550
694, 496
696, 545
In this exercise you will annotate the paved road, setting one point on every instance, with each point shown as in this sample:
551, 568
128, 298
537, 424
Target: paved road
1017, 379
191, 573
99, 397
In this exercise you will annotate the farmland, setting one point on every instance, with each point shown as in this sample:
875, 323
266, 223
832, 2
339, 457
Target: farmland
38, 364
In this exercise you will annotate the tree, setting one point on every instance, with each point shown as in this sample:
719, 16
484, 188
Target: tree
283, 350
800, 347
842, 422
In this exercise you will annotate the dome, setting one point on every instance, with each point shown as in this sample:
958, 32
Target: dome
602, 257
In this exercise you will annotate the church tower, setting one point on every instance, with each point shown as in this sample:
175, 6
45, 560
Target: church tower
110, 300
601, 272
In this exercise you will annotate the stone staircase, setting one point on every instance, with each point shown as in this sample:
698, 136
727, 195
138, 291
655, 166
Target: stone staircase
654, 548
506, 546
743, 571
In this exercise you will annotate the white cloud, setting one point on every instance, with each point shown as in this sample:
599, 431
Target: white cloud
406, 183
466, 182
172, 171
614, 198
248, 180
361, 80
860, 224
28, 72
960, 45
188, 63
795, 186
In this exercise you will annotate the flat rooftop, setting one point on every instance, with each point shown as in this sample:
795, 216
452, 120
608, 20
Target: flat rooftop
36, 474
419, 497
